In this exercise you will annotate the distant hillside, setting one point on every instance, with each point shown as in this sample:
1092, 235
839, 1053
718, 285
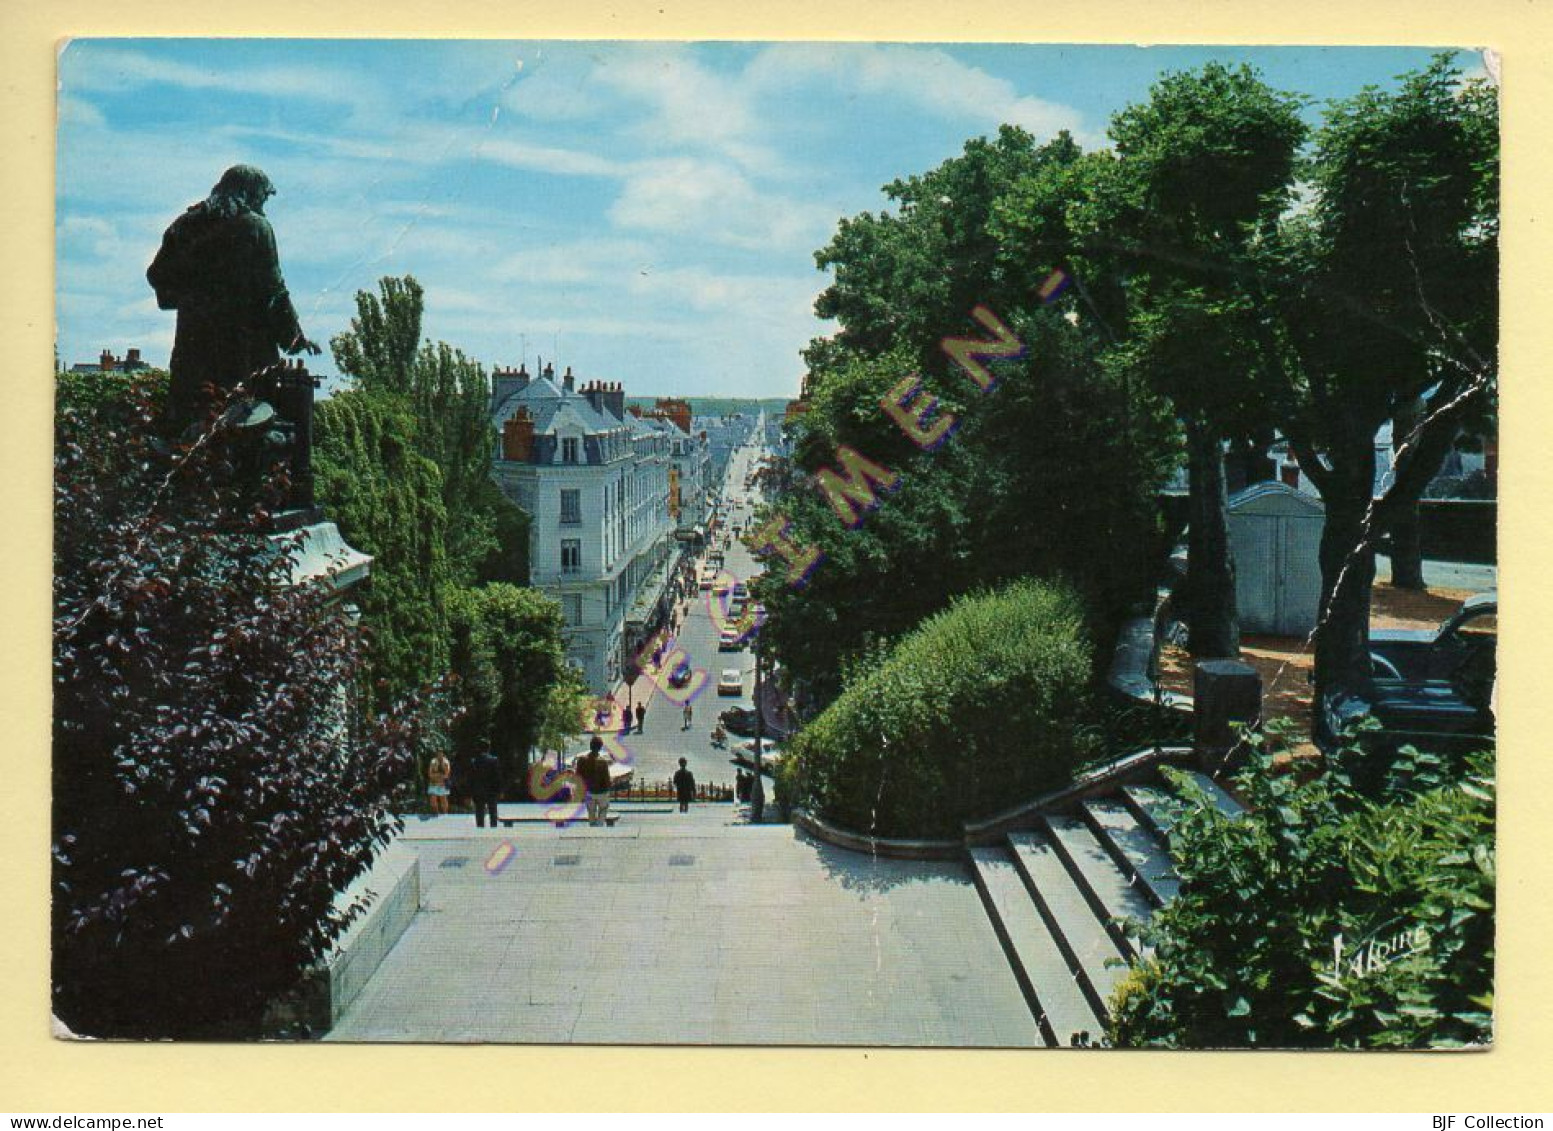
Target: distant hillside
722, 406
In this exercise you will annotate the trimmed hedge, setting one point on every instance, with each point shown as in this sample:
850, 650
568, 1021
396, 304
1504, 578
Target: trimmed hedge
978, 708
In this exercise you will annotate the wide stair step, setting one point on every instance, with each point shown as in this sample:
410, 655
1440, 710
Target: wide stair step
1136, 850
1061, 1005
1154, 807
1112, 896
1086, 941
1157, 808
1217, 794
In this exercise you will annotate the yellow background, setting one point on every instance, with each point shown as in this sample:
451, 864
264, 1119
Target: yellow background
39, 1074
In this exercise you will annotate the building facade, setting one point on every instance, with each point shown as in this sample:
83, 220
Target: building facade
595, 483
691, 484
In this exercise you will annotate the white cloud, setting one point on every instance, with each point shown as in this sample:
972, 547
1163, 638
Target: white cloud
596, 261
546, 159
96, 65
713, 201
925, 77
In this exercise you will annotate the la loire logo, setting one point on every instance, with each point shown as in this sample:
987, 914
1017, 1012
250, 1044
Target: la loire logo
1375, 952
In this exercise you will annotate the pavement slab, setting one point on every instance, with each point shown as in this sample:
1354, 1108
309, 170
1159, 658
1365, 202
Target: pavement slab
764, 937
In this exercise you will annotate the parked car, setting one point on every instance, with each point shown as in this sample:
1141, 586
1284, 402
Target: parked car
770, 756
739, 721
731, 682
1431, 688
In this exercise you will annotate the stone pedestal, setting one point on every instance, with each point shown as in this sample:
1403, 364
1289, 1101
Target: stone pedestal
323, 552
1225, 692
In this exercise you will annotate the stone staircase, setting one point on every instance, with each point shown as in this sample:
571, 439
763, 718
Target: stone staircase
1059, 888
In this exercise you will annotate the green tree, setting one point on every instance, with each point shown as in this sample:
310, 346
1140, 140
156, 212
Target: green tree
908, 279
448, 395
1389, 296
509, 658
1048, 472
1205, 169
387, 500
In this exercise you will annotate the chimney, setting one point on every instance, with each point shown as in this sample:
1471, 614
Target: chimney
568, 382
505, 382
132, 361
614, 396
517, 437
594, 391
106, 362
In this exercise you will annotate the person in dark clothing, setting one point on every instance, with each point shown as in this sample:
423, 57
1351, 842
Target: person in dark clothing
486, 787
684, 786
625, 720
641, 717
593, 767
218, 268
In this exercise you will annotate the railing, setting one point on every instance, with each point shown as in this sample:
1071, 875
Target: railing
665, 791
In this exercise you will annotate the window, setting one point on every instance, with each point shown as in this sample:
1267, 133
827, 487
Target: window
568, 449
571, 555
571, 606
571, 506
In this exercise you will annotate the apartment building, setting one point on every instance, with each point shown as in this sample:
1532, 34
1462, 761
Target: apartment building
595, 482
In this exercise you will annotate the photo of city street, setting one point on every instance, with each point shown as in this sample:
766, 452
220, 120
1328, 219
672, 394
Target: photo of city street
776, 544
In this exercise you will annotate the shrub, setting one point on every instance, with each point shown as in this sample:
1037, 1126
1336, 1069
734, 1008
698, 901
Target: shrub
208, 800
977, 708
1324, 919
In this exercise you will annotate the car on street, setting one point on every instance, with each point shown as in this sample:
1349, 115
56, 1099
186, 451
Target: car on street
739, 721
731, 682
1431, 688
681, 674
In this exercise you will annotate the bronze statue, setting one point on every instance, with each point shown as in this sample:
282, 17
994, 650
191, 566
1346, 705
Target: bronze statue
219, 270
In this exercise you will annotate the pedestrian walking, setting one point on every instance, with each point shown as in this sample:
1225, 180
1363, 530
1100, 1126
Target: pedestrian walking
690, 716
486, 787
593, 768
625, 720
641, 717
684, 786
437, 790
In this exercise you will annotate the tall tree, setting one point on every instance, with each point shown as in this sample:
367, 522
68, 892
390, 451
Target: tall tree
1205, 169
387, 500
448, 396
1390, 295
508, 656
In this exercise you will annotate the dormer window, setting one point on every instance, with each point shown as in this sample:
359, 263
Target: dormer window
568, 449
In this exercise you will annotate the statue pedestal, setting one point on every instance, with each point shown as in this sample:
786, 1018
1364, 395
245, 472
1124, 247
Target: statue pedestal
322, 554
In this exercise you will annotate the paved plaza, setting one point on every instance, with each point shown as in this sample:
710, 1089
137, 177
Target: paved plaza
693, 929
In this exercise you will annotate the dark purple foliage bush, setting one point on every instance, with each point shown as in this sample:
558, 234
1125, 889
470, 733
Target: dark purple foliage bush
213, 789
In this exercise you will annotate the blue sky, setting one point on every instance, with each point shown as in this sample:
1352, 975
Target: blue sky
645, 213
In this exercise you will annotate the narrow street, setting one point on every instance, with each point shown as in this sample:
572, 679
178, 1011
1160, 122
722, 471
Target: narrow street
656, 752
